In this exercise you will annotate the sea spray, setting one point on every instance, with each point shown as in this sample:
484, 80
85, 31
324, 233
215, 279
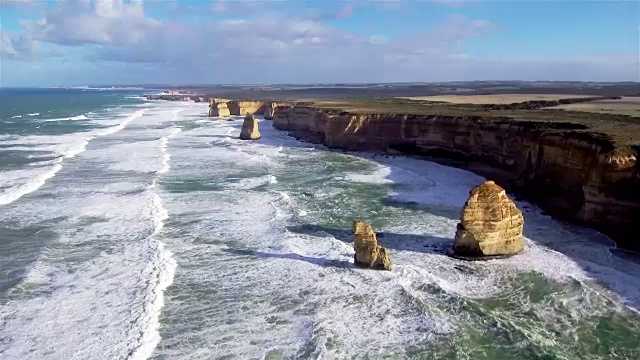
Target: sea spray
13, 193
166, 157
122, 125
74, 118
163, 265
77, 148
163, 268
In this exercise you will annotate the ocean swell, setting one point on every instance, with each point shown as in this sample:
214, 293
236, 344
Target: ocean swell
15, 192
162, 266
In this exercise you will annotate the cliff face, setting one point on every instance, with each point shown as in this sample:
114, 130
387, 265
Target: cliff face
237, 107
269, 110
571, 174
223, 107
218, 107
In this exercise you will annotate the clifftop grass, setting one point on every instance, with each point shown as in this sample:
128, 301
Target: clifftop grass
622, 130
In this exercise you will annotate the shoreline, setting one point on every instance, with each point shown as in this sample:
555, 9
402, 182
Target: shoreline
551, 205
487, 172
566, 201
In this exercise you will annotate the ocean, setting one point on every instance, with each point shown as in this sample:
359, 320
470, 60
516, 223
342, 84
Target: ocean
134, 229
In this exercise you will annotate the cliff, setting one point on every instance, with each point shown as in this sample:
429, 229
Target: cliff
239, 107
224, 107
269, 110
170, 97
218, 107
570, 172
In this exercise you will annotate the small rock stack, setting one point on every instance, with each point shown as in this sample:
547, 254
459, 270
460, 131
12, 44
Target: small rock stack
490, 224
250, 129
368, 253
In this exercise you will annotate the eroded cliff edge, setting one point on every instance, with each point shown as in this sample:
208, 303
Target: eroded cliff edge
571, 173
225, 107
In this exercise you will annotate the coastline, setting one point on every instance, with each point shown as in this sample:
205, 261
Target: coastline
574, 177
308, 122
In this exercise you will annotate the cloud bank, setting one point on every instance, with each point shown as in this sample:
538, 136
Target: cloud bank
273, 42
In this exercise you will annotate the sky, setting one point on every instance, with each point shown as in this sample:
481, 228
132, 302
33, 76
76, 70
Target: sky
81, 42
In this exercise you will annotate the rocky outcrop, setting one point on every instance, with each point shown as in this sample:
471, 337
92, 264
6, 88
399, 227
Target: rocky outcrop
224, 107
490, 224
219, 108
571, 173
249, 129
368, 253
240, 107
269, 110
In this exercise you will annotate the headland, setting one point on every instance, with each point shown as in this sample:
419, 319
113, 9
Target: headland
572, 149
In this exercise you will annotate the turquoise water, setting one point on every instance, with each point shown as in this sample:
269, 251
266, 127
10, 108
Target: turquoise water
148, 230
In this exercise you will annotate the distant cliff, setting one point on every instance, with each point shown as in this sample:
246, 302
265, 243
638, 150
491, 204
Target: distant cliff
170, 97
219, 107
239, 107
572, 174
224, 107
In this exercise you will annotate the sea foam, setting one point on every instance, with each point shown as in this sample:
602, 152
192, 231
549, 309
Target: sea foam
15, 192
107, 266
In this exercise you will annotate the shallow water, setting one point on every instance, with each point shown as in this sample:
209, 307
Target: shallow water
167, 237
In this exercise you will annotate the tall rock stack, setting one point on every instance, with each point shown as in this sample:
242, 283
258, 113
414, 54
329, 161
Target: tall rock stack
368, 253
250, 129
490, 224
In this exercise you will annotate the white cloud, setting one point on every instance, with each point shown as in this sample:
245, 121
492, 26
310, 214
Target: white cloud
103, 22
219, 6
6, 45
280, 47
12, 3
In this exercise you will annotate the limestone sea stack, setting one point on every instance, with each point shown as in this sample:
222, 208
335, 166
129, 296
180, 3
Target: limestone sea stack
368, 253
490, 224
249, 129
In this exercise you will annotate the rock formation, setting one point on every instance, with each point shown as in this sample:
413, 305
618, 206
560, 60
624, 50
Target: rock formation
249, 129
242, 107
218, 107
368, 253
269, 110
568, 171
490, 224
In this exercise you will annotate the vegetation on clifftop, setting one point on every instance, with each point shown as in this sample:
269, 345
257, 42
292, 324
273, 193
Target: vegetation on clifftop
617, 130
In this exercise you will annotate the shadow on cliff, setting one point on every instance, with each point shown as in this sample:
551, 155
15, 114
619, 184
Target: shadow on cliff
403, 242
310, 259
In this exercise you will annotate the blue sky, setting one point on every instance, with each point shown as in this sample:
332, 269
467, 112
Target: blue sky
188, 41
